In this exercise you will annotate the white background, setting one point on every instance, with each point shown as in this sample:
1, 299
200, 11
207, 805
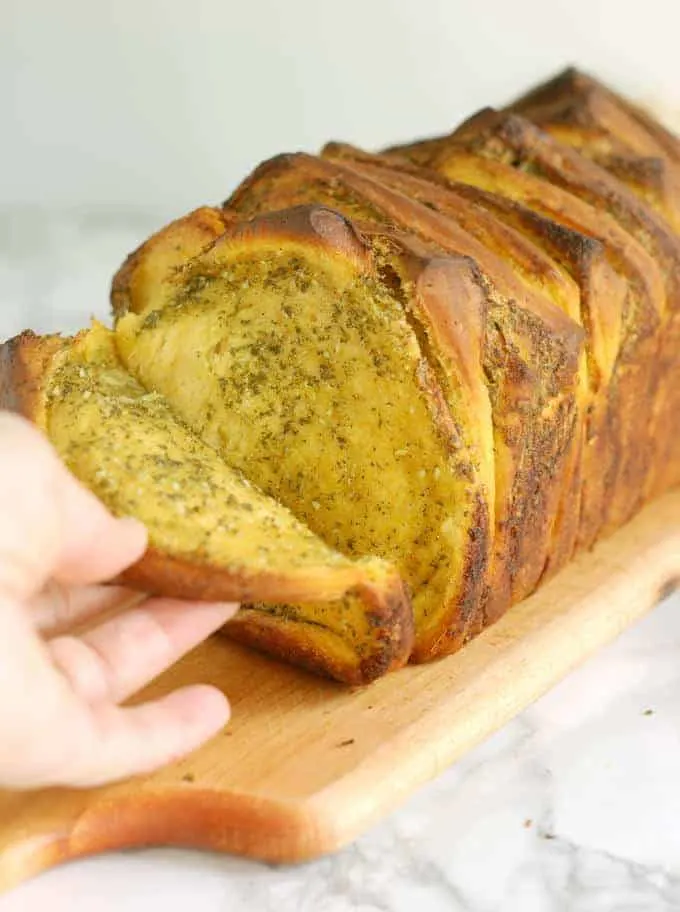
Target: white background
168, 104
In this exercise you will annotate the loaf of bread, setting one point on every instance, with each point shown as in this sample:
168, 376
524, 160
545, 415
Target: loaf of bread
380, 398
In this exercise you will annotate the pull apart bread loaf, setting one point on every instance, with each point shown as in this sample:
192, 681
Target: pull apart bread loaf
380, 398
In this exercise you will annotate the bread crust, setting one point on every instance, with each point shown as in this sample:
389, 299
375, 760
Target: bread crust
166, 251
582, 113
643, 306
450, 304
576, 97
656, 459
643, 155
298, 641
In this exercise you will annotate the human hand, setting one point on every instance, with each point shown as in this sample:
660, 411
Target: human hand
60, 718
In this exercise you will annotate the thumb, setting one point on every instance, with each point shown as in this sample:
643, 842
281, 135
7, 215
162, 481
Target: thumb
95, 546
50, 525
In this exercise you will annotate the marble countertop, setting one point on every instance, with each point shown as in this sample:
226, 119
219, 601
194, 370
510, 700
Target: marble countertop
572, 807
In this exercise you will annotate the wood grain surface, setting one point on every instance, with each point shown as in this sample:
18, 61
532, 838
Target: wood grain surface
307, 765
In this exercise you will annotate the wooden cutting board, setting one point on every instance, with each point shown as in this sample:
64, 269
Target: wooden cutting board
307, 765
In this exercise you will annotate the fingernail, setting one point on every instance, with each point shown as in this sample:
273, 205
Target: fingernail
218, 613
230, 608
202, 707
132, 526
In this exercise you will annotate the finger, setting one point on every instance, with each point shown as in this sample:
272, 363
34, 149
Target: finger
30, 530
96, 546
116, 659
50, 525
106, 743
52, 737
58, 608
117, 743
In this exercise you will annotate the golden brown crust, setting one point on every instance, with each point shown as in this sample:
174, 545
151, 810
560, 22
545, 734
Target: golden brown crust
176, 243
574, 97
298, 641
292, 640
649, 178
318, 225
602, 301
24, 364
585, 115
643, 155
507, 135
528, 261
161, 574
667, 140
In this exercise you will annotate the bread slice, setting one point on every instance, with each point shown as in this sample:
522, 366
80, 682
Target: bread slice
212, 534
341, 371
573, 98
531, 359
